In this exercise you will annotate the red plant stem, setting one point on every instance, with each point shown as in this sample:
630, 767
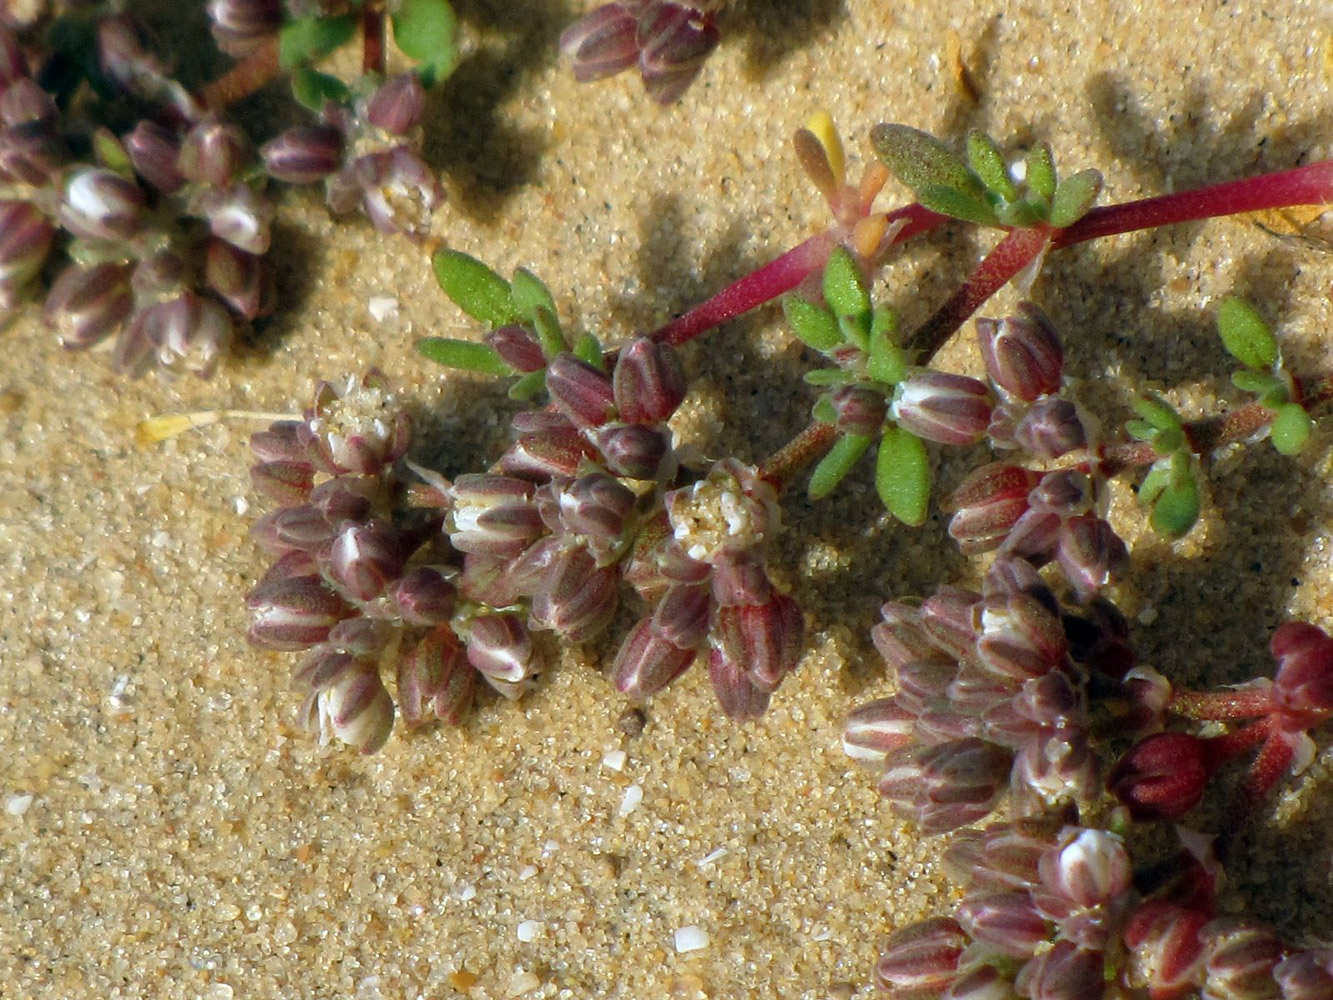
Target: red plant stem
1222, 706
1017, 250
1230, 745
797, 453
1274, 758
1308, 185
372, 41
780, 276
243, 79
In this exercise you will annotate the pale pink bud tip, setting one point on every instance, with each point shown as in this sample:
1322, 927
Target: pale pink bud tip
602, 43
1022, 353
940, 406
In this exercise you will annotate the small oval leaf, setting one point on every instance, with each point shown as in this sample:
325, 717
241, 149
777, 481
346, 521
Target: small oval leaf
902, 475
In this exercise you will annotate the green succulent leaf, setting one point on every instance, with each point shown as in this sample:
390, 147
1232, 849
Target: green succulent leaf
1074, 196
1291, 428
529, 386
921, 161
814, 324
1262, 384
958, 204
1245, 335
309, 39
588, 348
313, 89
475, 288
828, 377
464, 354
427, 32
902, 475
987, 162
835, 465
1157, 412
823, 410
887, 362
1176, 508
845, 288
533, 299
1040, 176
1157, 479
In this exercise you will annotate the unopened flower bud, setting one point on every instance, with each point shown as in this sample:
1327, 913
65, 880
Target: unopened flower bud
87, 303
988, 503
1051, 428
517, 347
304, 154
212, 153
922, 959
425, 596
1020, 638
1165, 949
500, 648
647, 661
1006, 921
1305, 975
25, 103
876, 729
1163, 776
191, 333
576, 598
602, 43
674, 40
492, 514
546, 452
293, 613
1087, 867
1022, 353
238, 215
949, 617
101, 205
153, 150
580, 391
1065, 972
902, 637
737, 694
1090, 554
285, 482
944, 407
632, 450
244, 281
398, 104
596, 505
1239, 959
1303, 684
32, 153
859, 410
356, 709
435, 680
365, 558
241, 26
648, 382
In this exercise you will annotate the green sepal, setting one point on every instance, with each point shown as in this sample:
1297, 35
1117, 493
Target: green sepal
313, 89
987, 162
1245, 335
465, 354
845, 288
921, 161
1263, 384
958, 204
902, 475
1074, 196
475, 288
528, 386
588, 348
828, 377
109, 152
823, 410
886, 361
834, 466
1291, 428
427, 32
1040, 175
309, 39
814, 324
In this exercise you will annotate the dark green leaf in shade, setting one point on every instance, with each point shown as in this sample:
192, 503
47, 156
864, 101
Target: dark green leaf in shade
528, 386
1245, 335
835, 465
308, 39
1291, 428
313, 89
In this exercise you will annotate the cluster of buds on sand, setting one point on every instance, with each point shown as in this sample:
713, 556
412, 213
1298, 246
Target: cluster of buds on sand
366, 153
666, 41
165, 232
1054, 912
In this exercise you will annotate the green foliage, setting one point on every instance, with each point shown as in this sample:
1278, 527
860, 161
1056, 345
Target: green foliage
839, 461
1073, 197
1171, 488
988, 164
1245, 335
845, 288
941, 181
1039, 175
588, 348
1291, 428
1159, 425
475, 288
308, 39
463, 354
427, 32
902, 475
533, 299
886, 362
312, 88
814, 324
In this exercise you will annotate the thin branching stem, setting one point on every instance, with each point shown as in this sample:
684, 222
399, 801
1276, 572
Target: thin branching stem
243, 79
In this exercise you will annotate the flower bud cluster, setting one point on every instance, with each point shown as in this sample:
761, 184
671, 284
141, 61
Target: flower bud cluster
992, 695
667, 41
368, 157
363, 582
1052, 913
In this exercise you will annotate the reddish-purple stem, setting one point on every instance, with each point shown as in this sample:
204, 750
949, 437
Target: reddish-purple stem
372, 41
1222, 706
780, 276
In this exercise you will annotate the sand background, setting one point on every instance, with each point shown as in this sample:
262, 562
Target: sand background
183, 839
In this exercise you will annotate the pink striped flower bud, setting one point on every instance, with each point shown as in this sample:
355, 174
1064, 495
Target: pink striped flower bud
674, 40
25, 103
517, 347
1051, 428
1006, 921
238, 215
1066, 972
1020, 637
435, 680
943, 407
98, 204
1162, 776
1086, 868
1303, 684
602, 43
212, 153
492, 514
285, 482
398, 105
13, 63
32, 153
902, 637
424, 596
304, 154
923, 683
1022, 353
355, 708
1239, 958
576, 599
738, 696
648, 382
988, 503
547, 452
632, 450
648, 661
980, 982
293, 613
365, 558
1165, 949
1305, 975
946, 786
949, 617
191, 333
876, 729
766, 638
595, 505
86, 304
25, 239
500, 648
279, 442
154, 150
580, 391
921, 959
1090, 554
241, 26
244, 281
858, 410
